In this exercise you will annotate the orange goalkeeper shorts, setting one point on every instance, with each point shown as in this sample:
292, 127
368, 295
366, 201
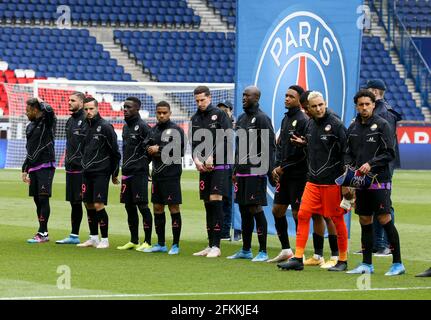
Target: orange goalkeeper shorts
322, 199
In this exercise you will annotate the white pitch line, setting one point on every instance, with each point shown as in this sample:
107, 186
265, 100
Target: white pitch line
150, 295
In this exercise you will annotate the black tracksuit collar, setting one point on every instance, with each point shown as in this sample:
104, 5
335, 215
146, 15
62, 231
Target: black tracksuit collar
367, 122
207, 110
78, 114
292, 111
163, 125
95, 120
252, 110
133, 120
323, 119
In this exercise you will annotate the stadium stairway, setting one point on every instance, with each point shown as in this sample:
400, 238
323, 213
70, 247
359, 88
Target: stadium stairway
378, 31
210, 20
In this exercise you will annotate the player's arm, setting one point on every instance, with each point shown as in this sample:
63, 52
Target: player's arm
267, 125
111, 137
387, 149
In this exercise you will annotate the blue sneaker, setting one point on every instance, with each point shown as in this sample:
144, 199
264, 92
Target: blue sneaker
72, 239
261, 257
242, 254
396, 269
174, 250
362, 268
159, 248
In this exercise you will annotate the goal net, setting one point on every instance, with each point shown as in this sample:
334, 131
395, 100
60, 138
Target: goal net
110, 96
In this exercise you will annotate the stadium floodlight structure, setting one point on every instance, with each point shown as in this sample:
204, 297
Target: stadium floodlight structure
110, 95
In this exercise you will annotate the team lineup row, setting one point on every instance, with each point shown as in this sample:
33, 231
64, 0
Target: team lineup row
303, 163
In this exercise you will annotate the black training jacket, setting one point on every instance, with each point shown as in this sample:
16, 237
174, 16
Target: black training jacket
40, 135
253, 118
384, 110
135, 158
291, 158
326, 149
371, 142
212, 119
162, 134
76, 130
101, 155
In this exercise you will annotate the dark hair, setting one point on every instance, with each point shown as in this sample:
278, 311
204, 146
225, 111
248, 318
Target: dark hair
202, 89
90, 99
135, 100
163, 104
364, 93
298, 89
304, 97
34, 103
78, 94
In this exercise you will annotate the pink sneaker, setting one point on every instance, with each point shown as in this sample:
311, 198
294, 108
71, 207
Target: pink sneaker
38, 238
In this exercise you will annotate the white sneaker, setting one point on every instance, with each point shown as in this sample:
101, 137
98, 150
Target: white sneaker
104, 244
214, 252
89, 243
202, 253
285, 254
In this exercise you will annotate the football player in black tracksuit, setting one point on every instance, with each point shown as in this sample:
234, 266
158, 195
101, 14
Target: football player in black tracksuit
384, 110
370, 150
250, 184
39, 165
101, 159
290, 169
134, 187
166, 136
213, 169
76, 129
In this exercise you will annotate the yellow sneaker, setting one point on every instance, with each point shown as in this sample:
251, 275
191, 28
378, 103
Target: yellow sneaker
144, 246
330, 263
315, 260
128, 246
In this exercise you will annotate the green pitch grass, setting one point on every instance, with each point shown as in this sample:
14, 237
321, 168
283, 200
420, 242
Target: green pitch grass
35, 270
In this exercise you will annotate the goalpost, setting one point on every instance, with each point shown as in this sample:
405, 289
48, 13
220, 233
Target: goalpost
110, 96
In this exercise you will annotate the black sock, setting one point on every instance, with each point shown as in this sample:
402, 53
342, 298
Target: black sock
160, 223
394, 240
176, 227
367, 243
247, 226
147, 222
217, 213
296, 225
333, 244
133, 221
262, 230
318, 244
209, 221
92, 222
76, 217
36, 202
103, 220
44, 213
281, 227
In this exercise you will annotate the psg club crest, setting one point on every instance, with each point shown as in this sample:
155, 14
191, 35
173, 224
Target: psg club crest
300, 49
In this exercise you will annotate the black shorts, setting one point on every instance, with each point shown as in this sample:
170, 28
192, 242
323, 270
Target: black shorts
41, 182
214, 182
373, 202
166, 191
74, 187
134, 189
95, 188
250, 190
289, 191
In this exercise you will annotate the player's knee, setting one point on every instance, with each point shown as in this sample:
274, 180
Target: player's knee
384, 218
174, 208
158, 208
365, 220
99, 206
216, 197
278, 211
